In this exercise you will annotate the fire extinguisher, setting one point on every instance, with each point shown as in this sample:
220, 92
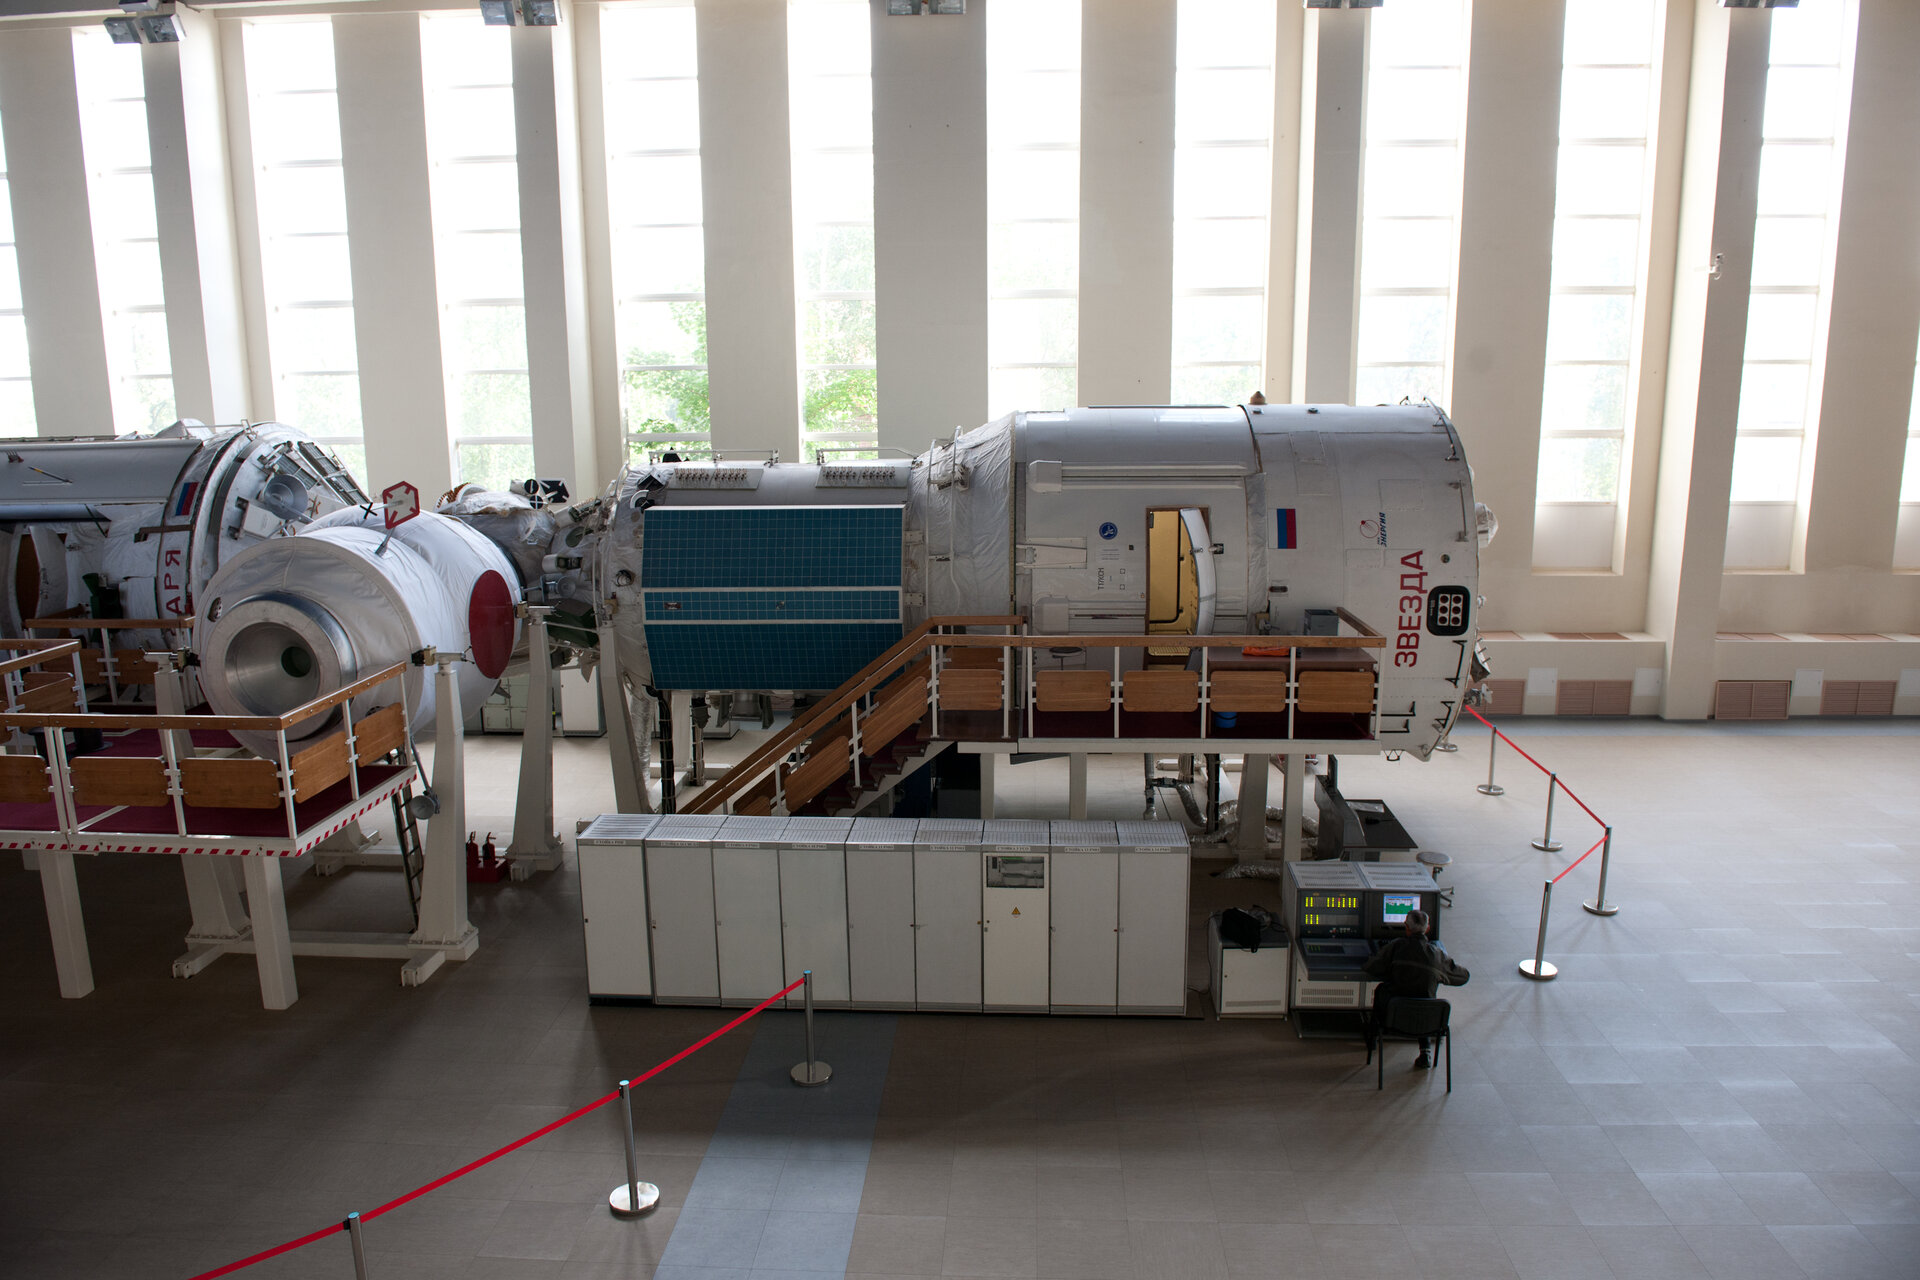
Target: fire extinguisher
487, 852
473, 851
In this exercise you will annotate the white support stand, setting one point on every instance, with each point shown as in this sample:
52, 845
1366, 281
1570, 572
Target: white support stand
351, 846
213, 880
272, 943
987, 760
1250, 832
444, 932
1077, 785
629, 788
680, 703
1293, 796
71, 964
535, 846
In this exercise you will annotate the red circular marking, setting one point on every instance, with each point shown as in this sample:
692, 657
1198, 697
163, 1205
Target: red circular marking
490, 624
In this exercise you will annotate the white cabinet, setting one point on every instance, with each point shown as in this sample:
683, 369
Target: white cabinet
746, 908
1152, 959
613, 905
880, 930
813, 907
1086, 922
946, 913
1014, 915
680, 908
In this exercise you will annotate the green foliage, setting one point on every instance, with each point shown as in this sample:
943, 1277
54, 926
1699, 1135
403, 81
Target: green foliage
670, 401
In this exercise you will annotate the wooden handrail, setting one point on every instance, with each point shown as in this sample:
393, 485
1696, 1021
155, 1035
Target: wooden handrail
1158, 642
109, 624
82, 720
1365, 630
38, 651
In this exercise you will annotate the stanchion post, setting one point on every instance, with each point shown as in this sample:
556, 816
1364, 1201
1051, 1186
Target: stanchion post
1539, 968
633, 1197
1546, 843
1599, 905
1490, 787
812, 1071
359, 1247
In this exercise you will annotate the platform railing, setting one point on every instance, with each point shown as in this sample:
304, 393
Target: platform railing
28, 654
136, 668
293, 774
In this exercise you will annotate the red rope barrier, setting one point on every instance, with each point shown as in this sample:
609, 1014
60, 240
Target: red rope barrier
1577, 861
1536, 764
515, 1145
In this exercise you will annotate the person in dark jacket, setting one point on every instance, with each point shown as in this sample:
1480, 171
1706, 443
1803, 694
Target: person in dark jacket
1414, 967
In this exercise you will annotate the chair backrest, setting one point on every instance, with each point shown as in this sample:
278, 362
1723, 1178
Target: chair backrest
1407, 1015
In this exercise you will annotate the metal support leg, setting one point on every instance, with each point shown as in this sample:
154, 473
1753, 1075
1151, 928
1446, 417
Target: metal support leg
1077, 785
535, 846
812, 1071
1539, 968
633, 1197
1598, 904
987, 761
445, 933
1546, 843
1293, 796
272, 944
1489, 787
359, 1247
1250, 833
629, 787
71, 963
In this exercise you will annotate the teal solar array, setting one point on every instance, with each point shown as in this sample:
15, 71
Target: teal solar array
768, 597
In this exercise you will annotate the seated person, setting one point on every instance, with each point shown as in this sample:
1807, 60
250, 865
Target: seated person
1414, 967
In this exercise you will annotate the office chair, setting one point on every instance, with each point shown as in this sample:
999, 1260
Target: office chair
1408, 1018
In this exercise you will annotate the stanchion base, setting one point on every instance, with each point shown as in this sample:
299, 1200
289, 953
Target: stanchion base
1548, 846
1489, 789
808, 1074
1547, 971
1448, 747
624, 1206
1596, 907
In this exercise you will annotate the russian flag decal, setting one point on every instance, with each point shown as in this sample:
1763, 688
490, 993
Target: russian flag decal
185, 504
1286, 532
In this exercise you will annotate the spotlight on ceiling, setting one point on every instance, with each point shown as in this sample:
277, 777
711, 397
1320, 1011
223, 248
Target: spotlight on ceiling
905, 8
1759, 4
144, 22
528, 13
1343, 4
497, 13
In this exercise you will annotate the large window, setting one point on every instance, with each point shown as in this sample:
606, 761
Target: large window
1809, 81
1223, 116
126, 238
476, 222
652, 93
1608, 92
294, 123
1416, 93
830, 100
16, 380
1033, 205
1906, 554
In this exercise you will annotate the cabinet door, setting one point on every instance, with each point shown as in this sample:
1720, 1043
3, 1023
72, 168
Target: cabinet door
1086, 912
613, 912
746, 909
813, 918
946, 916
1153, 932
880, 927
1014, 932
680, 902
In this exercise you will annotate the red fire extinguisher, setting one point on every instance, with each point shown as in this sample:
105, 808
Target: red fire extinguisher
473, 852
487, 852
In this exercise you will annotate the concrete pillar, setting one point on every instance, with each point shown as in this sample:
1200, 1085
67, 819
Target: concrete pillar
1250, 833
1875, 319
1077, 784
1511, 148
746, 178
930, 222
1293, 801
1333, 97
610, 446
1720, 189
552, 256
1283, 218
193, 204
71, 963
1126, 202
53, 227
396, 300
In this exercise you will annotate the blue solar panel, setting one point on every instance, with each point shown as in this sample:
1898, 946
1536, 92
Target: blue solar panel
769, 597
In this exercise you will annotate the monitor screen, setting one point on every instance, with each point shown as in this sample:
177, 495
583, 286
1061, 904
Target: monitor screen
1394, 908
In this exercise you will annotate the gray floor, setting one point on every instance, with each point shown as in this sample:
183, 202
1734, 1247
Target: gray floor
1721, 1083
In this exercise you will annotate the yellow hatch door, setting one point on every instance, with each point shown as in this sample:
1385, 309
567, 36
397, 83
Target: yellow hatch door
1180, 580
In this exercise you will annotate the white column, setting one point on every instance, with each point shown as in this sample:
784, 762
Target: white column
1293, 787
193, 203
1511, 151
1333, 99
1077, 784
610, 446
1126, 202
71, 963
66, 336
552, 255
1283, 219
1875, 319
1705, 352
746, 180
272, 943
930, 222
1250, 832
396, 300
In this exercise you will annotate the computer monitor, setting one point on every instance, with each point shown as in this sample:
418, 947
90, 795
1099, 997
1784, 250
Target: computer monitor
1394, 908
